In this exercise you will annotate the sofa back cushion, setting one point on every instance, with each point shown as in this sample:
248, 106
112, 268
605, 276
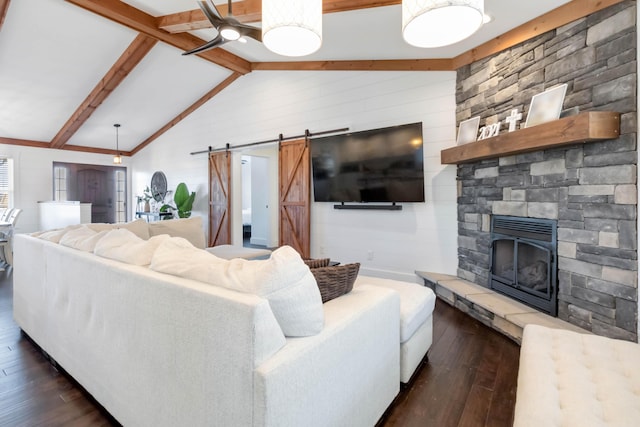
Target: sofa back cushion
283, 279
124, 246
82, 238
139, 227
187, 228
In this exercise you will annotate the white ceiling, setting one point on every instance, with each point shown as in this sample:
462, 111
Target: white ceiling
52, 54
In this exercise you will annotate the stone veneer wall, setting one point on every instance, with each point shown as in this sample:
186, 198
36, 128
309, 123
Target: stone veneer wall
590, 189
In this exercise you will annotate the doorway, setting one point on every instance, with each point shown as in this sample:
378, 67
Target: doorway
255, 202
105, 187
260, 197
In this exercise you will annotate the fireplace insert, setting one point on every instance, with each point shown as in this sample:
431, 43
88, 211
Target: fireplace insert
524, 260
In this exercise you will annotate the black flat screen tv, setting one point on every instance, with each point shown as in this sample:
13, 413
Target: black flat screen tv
378, 165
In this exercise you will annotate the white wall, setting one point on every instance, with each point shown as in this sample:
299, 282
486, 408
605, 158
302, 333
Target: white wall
262, 105
33, 177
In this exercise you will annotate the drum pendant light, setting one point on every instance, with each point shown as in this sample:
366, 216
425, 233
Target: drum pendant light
436, 23
292, 27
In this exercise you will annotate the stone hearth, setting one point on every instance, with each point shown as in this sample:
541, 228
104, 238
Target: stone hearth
491, 308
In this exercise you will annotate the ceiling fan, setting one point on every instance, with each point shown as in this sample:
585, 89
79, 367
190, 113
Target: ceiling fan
229, 29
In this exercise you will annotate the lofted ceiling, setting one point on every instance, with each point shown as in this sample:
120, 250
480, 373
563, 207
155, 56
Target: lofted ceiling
71, 69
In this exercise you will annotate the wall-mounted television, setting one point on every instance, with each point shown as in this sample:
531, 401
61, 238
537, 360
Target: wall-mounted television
378, 165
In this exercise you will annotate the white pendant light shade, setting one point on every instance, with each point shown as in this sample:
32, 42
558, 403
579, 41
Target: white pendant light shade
292, 27
435, 23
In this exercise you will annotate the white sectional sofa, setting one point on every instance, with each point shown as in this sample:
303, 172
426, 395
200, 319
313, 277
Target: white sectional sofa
159, 350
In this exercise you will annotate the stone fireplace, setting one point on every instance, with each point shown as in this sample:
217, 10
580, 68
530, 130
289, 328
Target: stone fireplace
588, 190
523, 262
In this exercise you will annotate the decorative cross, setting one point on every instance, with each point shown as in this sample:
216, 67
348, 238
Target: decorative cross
513, 119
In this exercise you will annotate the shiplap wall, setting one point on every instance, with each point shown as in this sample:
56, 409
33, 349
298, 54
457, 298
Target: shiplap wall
262, 105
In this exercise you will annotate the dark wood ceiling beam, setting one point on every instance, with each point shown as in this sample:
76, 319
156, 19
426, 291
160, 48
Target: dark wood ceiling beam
24, 142
129, 16
367, 65
4, 8
244, 11
251, 11
40, 144
193, 107
556, 18
131, 57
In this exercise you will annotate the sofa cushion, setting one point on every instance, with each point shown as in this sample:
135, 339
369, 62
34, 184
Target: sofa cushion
187, 228
124, 246
336, 280
54, 235
416, 302
82, 238
139, 227
283, 279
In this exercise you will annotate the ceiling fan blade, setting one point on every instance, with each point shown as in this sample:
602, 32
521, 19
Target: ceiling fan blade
217, 41
212, 14
249, 31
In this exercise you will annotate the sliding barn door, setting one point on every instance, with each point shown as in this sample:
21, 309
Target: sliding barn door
219, 198
295, 192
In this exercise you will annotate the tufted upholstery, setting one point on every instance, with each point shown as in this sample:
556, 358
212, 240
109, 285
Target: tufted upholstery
570, 379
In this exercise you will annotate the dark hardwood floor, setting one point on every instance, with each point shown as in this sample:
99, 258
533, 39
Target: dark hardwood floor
470, 379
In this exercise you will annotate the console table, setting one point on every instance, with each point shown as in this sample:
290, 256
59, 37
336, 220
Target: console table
153, 216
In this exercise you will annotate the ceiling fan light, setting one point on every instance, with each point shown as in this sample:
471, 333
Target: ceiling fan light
436, 23
292, 27
229, 33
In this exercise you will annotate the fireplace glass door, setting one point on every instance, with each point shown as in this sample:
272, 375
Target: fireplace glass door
524, 261
522, 265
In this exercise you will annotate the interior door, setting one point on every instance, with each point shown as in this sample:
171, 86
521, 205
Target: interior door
295, 193
219, 198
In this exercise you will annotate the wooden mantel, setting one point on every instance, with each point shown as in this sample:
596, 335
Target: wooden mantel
581, 128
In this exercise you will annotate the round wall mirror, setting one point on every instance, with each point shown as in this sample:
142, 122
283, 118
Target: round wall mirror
158, 186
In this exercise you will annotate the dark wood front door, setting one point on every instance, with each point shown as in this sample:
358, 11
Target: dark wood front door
295, 192
219, 198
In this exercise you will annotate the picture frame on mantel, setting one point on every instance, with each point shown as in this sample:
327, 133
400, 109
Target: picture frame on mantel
546, 106
468, 130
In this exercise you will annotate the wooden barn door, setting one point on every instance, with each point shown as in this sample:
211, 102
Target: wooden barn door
219, 198
295, 193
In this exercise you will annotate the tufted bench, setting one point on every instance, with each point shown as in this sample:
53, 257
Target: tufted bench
571, 379
416, 322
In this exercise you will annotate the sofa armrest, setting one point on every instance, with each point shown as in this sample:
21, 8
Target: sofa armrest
345, 376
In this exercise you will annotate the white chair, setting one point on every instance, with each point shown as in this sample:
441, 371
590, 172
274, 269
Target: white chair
6, 236
4, 215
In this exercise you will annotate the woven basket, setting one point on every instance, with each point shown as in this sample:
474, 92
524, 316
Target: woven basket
317, 263
335, 281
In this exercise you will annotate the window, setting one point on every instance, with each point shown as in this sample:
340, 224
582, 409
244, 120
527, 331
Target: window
60, 184
6, 182
121, 182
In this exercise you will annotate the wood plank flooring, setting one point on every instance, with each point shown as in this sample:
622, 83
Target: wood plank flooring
470, 379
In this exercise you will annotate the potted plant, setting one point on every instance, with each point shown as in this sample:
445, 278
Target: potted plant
183, 201
146, 196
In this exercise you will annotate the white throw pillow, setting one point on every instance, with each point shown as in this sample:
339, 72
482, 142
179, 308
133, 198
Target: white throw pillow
55, 235
124, 246
187, 228
283, 279
139, 227
82, 238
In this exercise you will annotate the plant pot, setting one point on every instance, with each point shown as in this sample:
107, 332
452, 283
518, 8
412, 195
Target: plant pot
147, 206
